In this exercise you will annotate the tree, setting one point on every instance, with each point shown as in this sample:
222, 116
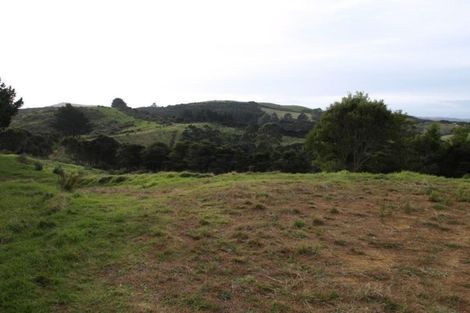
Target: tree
302, 117
353, 132
118, 103
71, 121
100, 152
155, 156
274, 117
293, 158
8, 106
129, 156
265, 118
288, 117
428, 151
21, 141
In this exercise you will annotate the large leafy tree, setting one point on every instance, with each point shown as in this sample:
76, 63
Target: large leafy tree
8, 105
71, 121
354, 133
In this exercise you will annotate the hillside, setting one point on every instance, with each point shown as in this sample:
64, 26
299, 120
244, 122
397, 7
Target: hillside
165, 124
240, 113
146, 125
182, 242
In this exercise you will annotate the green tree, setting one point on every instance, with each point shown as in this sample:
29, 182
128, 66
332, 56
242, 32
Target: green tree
428, 150
456, 157
71, 121
118, 103
8, 105
129, 156
302, 117
354, 133
460, 135
155, 156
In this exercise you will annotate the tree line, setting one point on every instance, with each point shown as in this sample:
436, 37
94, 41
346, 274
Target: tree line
356, 134
359, 134
200, 149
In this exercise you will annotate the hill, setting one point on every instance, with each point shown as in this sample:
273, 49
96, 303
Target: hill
271, 242
165, 124
146, 125
230, 112
108, 121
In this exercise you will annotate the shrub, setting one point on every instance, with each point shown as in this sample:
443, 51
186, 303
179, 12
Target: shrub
259, 207
307, 250
38, 166
463, 195
21, 141
299, 224
23, 159
435, 196
58, 170
68, 181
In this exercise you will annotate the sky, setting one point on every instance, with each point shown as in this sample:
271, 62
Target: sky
413, 54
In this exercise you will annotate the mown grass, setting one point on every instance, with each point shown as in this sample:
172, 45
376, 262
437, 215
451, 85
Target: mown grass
250, 242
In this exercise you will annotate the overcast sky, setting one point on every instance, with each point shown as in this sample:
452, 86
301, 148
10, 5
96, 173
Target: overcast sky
414, 54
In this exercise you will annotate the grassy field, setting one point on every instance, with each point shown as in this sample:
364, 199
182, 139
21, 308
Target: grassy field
183, 242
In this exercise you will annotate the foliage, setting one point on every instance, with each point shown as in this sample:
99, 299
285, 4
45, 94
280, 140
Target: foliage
353, 133
247, 136
8, 105
229, 113
99, 152
129, 156
455, 161
58, 170
20, 141
38, 166
155, 156
68, 181
428, 149
70, 121
118, 103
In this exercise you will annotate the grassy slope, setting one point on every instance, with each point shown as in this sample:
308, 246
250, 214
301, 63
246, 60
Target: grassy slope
111, 122
232, 243
103, 120
149, 132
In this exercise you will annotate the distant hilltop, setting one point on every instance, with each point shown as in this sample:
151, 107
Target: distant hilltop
447, 119
62, 104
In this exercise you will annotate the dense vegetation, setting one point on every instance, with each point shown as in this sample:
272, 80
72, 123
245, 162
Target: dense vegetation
356, 134
8, 104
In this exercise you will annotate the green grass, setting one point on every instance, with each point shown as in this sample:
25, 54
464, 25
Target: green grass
146, 133
119, 125
53, 243
201, 242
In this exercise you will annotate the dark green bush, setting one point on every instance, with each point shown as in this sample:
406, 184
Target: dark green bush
58, 170
38, 166
68, 181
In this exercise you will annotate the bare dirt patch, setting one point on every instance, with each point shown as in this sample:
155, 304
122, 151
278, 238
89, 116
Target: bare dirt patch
304, 246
